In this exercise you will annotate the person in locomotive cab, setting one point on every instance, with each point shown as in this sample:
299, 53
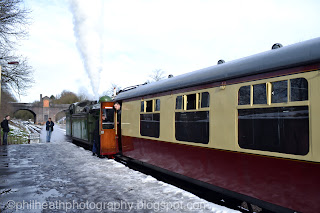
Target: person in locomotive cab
6, 129
96, 137
49, 128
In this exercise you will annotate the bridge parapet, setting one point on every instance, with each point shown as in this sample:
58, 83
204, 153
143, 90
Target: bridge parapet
41, 110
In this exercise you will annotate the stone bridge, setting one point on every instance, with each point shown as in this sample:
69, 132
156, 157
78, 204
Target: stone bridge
41, 110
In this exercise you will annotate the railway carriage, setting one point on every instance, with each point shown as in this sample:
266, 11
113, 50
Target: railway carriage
248, 128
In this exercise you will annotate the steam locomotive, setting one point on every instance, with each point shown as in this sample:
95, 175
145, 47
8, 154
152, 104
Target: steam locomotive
246, 128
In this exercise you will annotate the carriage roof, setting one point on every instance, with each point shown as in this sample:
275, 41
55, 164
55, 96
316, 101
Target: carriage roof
303, 53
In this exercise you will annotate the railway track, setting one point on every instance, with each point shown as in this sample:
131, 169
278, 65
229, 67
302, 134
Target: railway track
32, 130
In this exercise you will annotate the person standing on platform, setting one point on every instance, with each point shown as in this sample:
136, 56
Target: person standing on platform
6, 129
49, 128
96, 137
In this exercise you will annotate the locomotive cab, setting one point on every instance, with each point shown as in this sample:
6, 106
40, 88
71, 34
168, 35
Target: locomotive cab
108, 130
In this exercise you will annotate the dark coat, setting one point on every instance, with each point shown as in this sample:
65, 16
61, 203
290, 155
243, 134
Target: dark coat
119, 116
48, 125
5, 125
96, 139
96, 135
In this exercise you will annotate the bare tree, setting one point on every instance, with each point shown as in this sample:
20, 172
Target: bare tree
14, 22
5, 108
16, 74
157, 75
110, 91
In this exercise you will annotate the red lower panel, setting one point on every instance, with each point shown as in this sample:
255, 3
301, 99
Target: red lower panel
288, 183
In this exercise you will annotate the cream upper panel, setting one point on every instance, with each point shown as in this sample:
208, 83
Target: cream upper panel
222, 118
314, 94
130, 118
167, 103
223, 113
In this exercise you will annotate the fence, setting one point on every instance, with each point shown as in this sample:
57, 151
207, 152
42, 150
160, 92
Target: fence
12, 139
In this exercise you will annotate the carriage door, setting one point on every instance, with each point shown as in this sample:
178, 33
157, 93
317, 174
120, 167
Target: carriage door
108, 142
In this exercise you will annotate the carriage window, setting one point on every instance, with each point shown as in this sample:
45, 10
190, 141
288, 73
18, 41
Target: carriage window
244, 95
192, 126
283, 129
150, 122
205, 99
299, 89
157, 105
179, 102
149, 106
276, 129
191, 101
279, 92
108, 122
259, 94
150, 125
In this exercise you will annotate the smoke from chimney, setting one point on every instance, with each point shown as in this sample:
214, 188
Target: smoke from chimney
88, 27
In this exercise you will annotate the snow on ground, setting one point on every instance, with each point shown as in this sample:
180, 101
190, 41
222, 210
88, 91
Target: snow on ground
62, 177
14, 130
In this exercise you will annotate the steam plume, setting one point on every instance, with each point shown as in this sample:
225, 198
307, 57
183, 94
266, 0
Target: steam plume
87, 22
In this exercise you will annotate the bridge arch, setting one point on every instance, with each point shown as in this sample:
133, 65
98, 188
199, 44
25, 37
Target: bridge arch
60, 115
32, 112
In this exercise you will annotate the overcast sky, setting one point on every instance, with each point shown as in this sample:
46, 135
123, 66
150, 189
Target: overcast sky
139, 36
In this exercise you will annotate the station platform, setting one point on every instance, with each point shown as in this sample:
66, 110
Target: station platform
62, 177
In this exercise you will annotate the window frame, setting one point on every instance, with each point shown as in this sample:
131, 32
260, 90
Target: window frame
200, 100
153, 113
144, 102
269, 103
197, 102
290, 90
155, 105
198, 109
147, 106
289, 103
287, 92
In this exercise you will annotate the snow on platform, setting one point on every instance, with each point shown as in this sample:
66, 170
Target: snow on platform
62, 177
